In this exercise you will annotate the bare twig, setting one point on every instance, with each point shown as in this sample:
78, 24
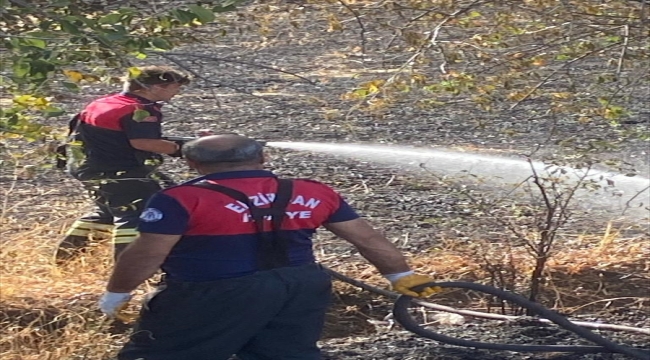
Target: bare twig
5, 203
217, 84
433, 37
629, 202
431, 40
549, 76
214, 58
408, 23
362, 29
556, 215
621, 58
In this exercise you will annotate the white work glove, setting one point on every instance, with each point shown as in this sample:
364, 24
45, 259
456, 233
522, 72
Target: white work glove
112, 303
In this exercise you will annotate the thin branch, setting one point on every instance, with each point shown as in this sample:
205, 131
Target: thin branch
549, 76
5, 202
399, 30
551, 131
628, 203
542, 189
626, 38
214, 58
199, 76
471, 197
569, 197
432, 40
362, 29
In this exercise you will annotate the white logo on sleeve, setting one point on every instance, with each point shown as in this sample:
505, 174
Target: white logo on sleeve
151, 215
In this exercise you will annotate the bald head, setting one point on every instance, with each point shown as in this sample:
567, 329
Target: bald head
225, 150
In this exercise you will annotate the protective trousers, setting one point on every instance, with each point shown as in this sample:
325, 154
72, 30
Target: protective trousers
120, 197
275, 314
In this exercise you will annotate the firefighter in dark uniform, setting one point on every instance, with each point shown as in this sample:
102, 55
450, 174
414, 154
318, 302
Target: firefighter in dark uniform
236, 247
114, 149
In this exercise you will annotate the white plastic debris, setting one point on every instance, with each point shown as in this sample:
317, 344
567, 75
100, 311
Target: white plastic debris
445, 318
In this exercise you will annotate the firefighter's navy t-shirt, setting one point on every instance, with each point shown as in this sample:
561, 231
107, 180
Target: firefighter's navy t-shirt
219, 239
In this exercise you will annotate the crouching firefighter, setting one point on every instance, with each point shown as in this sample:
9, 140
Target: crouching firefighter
236, 248
114, 148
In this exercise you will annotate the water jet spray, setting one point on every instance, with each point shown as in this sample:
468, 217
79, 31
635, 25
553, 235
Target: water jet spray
608, 192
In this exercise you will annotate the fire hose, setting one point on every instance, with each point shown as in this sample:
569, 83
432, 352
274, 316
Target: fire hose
402, 315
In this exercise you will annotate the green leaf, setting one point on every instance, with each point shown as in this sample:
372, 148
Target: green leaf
41, 68
135, 45
204, 15
69, 27
52, 111
114, 18
160, 43
104, 41
164, 22
362, 93
70, 86
38, 43
45, 25
12, 119
185, 17
21, 69
223, 8
134, 72
140, 115
81, 19
111, 36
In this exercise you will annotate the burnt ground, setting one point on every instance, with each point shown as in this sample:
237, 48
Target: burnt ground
274, 106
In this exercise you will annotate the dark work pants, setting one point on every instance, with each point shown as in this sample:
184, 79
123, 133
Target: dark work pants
101, 214
271, 315
119, 198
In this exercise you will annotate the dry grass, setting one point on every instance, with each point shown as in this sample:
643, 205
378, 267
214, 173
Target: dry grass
48, 312
603, 269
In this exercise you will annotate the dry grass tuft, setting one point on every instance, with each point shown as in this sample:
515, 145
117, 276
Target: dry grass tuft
47, 312
601, 268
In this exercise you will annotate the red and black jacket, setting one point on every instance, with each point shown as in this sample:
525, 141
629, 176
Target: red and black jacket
107, 124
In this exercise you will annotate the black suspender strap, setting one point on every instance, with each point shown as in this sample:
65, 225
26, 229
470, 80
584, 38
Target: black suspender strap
273, 245
73, 124
61, 150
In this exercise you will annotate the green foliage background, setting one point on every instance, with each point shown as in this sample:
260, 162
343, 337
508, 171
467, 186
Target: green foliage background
50, 45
